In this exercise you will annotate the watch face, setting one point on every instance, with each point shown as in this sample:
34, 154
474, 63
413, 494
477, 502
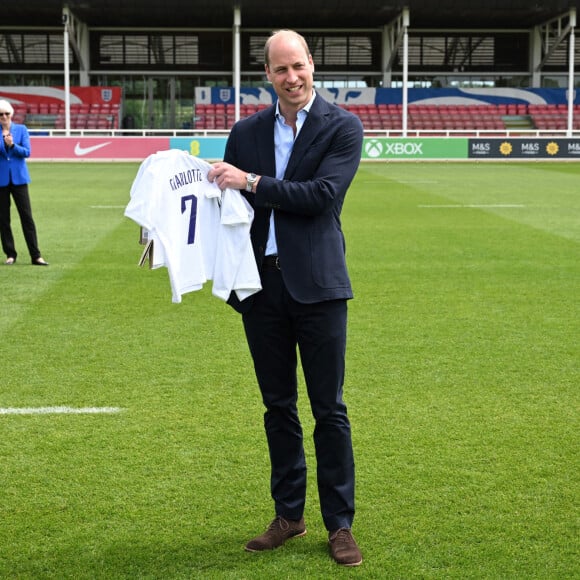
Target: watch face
250, 180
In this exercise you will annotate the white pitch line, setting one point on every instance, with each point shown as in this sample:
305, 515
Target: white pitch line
57, 410
107, 206
414, 181
476, 205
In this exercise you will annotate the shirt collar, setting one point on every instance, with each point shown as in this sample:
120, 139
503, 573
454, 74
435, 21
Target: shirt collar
306, 107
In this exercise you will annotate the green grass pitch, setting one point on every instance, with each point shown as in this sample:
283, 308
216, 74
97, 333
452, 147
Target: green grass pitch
462, 386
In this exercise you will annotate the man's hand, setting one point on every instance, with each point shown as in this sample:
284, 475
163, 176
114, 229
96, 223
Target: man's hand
227, 176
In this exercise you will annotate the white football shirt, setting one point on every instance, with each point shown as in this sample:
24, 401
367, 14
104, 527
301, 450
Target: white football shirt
199, 232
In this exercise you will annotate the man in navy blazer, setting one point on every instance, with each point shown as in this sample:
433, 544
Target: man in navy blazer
294, 163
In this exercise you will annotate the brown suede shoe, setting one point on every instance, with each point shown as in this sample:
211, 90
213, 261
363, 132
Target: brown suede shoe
343, 548
277, 533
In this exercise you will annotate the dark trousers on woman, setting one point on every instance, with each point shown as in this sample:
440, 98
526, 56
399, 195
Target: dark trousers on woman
276, 326
22, 201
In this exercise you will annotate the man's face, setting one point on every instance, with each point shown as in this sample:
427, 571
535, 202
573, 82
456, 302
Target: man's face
291, 72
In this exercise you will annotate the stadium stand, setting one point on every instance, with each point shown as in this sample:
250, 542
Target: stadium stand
383, 117
552, 117
216, 116
374, 117
431, 117
46, 116
421, 117
459, 41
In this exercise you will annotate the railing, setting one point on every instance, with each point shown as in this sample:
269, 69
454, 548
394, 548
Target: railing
395, 133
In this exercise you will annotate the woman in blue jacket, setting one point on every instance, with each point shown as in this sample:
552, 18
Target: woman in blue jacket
14, 180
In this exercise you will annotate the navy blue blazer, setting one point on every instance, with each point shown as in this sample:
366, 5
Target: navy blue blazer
307, 202
13, 167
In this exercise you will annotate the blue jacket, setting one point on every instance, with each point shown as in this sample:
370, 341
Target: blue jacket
309, 200
13, 167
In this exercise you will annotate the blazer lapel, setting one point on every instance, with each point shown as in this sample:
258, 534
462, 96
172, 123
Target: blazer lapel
264, 136
314, 123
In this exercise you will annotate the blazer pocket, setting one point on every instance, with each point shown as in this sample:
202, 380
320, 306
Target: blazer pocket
329, 262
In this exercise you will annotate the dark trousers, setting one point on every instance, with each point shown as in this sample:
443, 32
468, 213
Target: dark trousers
275, 326
22, 201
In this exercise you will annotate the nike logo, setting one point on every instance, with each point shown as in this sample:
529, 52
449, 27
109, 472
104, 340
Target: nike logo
81, 151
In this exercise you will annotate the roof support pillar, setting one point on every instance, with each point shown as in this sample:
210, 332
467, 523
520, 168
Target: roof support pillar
237, 59
405, 22
571, 43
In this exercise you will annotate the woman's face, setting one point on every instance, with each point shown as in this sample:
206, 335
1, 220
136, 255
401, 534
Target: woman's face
5, 119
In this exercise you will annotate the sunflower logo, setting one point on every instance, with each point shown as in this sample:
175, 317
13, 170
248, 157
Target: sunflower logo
505, 148
552, 148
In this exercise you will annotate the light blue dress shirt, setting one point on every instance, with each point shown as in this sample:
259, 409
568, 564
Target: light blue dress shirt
283, 143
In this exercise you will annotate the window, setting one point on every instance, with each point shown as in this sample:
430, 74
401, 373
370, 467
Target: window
148, 50
32, 50
459, 53
330, 51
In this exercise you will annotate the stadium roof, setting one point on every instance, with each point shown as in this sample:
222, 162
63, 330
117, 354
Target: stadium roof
299, 14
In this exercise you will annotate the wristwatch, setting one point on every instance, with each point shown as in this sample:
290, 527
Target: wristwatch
251, 178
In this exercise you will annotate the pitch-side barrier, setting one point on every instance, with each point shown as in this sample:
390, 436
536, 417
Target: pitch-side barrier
376, 147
